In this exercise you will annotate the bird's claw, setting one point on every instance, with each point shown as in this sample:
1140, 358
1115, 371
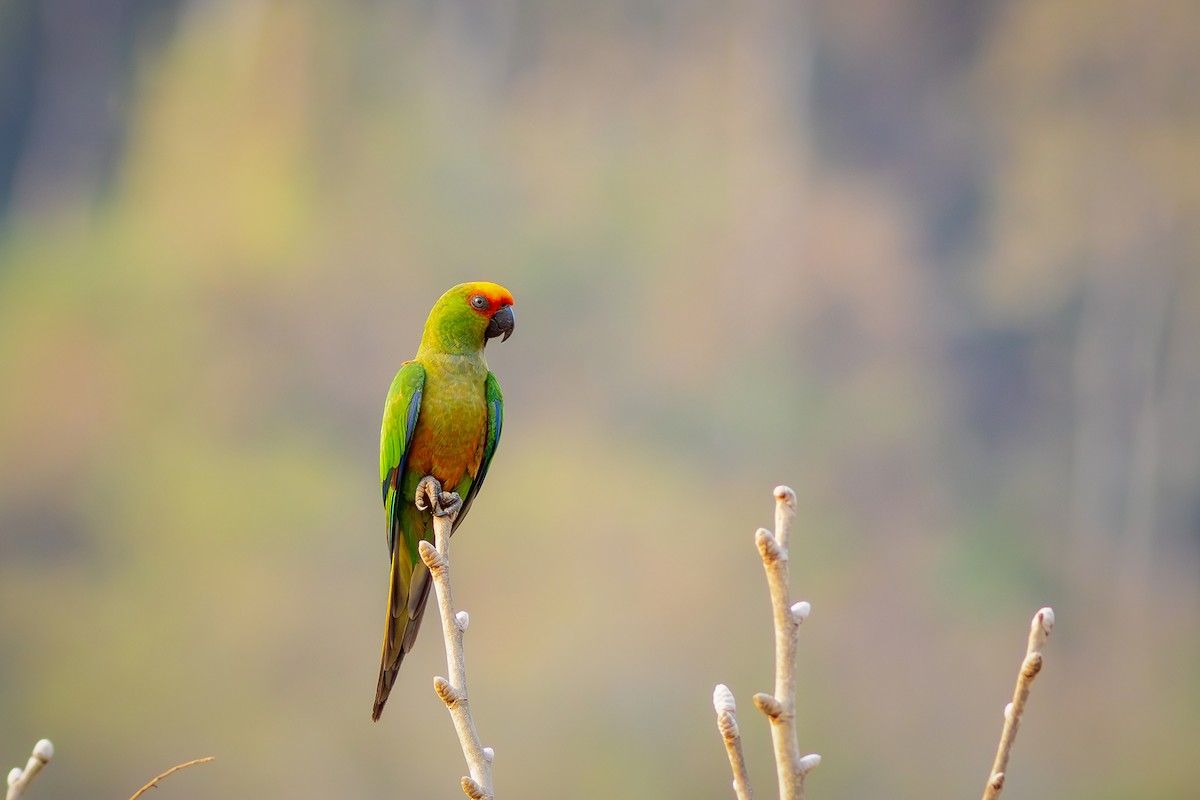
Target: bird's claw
450, 504
429, 492
430, 497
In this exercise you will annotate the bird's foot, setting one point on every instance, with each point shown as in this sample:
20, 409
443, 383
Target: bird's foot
450, 504
430, 497
429, 493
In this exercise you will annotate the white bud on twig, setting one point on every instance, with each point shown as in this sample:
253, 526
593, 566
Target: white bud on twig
19, 779
801, 610
723, 700
809, 762
489, 754
726, 710
463, 619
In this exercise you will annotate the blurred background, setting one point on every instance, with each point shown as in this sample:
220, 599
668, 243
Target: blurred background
931, 263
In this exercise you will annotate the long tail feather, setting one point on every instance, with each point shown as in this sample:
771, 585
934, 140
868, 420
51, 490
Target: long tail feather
394, 631
408, 591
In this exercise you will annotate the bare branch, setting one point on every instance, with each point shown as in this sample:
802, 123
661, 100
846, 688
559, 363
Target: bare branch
154, 783
780, 707
1039, 629
726, 710
453, 692
19, 779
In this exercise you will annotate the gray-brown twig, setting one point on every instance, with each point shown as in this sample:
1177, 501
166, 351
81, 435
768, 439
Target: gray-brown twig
453, 692
780, 707
19, 779
1039, 629
726, 710
154, 783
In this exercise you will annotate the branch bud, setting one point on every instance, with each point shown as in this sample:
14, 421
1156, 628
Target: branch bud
809, 763
44, 750
430, 555
1039, 629
767, 545
489, 754
1032, 665
463, 619
723, 700
801, 610
473, 790
784, 494
450, 696
14, 775
768, 705
1046, 618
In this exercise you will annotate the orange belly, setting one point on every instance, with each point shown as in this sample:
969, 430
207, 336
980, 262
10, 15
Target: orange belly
448, 440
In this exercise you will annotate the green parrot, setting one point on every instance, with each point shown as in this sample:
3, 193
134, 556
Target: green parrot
442, 419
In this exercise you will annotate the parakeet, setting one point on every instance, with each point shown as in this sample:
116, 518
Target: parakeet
442, 418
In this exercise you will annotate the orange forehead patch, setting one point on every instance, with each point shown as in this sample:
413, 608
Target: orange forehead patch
496, 294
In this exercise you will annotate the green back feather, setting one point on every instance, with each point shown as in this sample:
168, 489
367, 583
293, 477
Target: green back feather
395, 437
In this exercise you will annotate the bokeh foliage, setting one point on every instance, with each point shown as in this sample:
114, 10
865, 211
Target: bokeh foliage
933, 264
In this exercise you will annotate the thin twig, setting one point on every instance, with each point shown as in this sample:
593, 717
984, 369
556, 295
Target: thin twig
152, 784
780, 708
19, 779
1039, 629
454, 691
727, 724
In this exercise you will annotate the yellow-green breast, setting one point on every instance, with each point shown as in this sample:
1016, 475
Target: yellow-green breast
452, 424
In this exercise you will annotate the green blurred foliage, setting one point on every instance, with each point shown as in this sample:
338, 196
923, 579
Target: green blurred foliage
930, 263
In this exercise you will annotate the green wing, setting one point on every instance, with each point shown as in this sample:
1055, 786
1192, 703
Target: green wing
495, 409
399, 421
400, 413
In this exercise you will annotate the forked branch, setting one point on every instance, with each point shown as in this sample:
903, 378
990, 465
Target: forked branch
453, 692
1039, 629
19, 779
779, 707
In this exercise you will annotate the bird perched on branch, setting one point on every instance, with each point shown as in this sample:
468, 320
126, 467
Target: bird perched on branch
441, 424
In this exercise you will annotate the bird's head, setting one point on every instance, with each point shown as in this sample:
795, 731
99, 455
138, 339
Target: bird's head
467, 315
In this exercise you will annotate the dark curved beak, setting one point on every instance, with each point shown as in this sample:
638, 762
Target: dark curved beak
501, 324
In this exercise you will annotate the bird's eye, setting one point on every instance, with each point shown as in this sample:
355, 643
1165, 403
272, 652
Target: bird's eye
479, 301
